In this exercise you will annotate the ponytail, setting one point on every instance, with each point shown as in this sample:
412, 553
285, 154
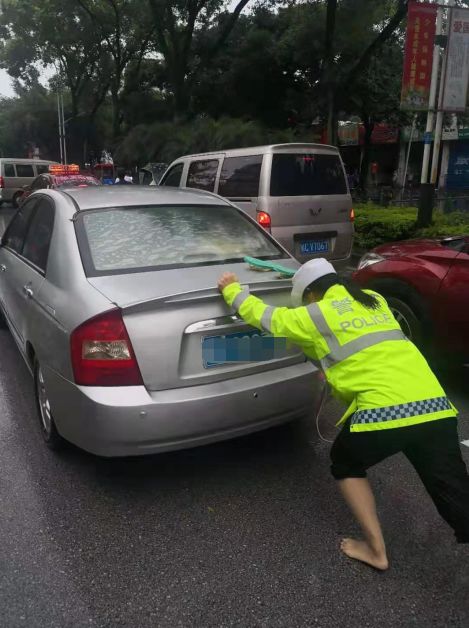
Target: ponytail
322, 285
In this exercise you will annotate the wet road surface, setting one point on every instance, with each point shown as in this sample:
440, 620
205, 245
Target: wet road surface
243, 533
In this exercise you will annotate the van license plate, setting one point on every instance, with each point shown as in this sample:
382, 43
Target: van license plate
314, 246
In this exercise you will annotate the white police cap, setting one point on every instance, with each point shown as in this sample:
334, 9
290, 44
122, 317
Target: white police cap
304, 276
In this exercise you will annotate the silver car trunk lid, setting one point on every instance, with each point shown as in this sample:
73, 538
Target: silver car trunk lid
168, 314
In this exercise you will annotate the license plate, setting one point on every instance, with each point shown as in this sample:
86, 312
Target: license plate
240, 347
314, 246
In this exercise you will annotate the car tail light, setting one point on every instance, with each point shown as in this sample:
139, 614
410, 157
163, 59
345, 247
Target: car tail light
2, 183
102, 354
352, 215
263, 218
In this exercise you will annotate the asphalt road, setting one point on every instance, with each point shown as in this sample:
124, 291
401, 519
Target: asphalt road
243, 533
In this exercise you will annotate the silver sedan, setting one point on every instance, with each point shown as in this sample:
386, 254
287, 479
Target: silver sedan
110, 294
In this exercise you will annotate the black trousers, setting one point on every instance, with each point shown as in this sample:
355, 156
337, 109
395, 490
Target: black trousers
432, 448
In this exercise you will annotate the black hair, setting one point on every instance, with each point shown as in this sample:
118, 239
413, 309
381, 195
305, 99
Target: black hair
121, 173
322, 285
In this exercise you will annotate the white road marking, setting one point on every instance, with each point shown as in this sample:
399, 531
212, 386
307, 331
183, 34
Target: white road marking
465, 442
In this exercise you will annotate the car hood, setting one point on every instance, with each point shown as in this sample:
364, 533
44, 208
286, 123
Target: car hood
417, 248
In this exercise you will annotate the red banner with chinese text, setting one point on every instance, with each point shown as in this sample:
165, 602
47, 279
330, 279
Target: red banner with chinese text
418, 55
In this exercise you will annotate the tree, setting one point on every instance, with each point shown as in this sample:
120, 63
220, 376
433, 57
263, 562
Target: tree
175, 25
124, 34
32, 38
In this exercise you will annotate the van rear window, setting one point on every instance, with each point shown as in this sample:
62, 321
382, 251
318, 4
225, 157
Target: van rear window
306, 175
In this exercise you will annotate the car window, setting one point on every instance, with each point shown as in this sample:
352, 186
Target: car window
10, 170
240, 176
42, 168
306, 174
16, 232
202, 174
173, 178
37, 243
135, 239
24, 170
75, 181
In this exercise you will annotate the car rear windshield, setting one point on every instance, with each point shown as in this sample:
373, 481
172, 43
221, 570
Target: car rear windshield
306, 175
136, 239
75, 181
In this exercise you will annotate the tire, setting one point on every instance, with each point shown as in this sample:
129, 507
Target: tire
49, 431
15, 199
407, 319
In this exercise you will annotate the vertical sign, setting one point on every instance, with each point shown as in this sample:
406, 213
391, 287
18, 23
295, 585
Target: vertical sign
418, 56
457, 63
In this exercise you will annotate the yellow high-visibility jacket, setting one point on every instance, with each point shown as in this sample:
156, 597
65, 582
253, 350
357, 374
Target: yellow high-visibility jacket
368, 362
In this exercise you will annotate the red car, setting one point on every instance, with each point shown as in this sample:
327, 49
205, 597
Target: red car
59, 177
426, 284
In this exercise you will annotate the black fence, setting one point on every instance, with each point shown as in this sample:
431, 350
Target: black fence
446, 201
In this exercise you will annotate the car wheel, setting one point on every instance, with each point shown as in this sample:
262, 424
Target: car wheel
46, 420
15, 201
405, 316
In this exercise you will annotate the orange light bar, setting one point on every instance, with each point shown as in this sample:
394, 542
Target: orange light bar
61, 169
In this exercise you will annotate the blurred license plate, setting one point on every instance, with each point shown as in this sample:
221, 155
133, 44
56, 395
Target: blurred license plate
247, 346
314, 246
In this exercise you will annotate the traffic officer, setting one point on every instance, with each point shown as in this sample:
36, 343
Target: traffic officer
395, 402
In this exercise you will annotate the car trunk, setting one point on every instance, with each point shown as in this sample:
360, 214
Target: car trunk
168, 314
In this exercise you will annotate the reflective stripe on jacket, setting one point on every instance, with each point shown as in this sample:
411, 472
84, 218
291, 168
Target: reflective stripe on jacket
368, 362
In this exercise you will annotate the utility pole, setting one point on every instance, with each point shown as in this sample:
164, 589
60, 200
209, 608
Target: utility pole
61, 120
427, 188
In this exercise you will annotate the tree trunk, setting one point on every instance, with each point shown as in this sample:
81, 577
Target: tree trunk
115, 114
365, 165
328, 69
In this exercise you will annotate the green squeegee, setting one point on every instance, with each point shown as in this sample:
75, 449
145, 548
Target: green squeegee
258, 264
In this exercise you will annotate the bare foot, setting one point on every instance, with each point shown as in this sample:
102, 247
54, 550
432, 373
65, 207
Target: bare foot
361, 550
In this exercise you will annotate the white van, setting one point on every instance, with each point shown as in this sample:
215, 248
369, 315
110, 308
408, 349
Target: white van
299, 192
16, 173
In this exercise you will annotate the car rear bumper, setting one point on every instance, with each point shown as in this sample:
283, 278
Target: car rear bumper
127, 421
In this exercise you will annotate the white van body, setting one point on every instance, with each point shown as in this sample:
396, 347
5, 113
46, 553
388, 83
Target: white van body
297, 191
15, 174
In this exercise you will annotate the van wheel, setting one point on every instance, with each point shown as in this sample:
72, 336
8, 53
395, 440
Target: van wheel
405, 316
15, 201
48, 428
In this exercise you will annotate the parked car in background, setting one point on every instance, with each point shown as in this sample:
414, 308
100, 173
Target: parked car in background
426, 283
15, 174
297, 192
59, 177
110, 294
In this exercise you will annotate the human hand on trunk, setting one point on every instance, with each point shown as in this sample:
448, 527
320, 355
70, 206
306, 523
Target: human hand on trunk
225, 280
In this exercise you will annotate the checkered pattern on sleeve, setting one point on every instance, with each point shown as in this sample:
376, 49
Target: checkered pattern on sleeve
402, 411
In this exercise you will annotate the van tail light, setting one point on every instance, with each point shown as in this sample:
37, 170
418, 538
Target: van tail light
2, 183
352, 215
102, 354
263, 218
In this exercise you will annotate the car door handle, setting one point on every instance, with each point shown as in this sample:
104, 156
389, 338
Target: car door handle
3, 268
28, 292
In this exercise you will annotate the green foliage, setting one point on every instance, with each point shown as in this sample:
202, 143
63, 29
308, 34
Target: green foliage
168, 140
376, 225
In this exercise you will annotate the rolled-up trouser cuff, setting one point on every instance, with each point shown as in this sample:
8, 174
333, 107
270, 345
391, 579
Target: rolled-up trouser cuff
344, 471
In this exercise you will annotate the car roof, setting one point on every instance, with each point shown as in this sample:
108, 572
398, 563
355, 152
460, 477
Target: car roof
269, 148
133, 195
22, 160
